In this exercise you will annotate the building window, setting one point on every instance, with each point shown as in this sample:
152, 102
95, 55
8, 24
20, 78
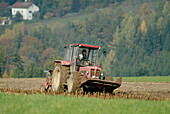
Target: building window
21, 11
30, 11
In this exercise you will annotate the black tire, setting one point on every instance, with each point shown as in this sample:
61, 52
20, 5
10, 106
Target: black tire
74, 82
59, 78
109, 90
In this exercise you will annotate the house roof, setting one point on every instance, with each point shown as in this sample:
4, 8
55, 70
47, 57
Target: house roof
22, 4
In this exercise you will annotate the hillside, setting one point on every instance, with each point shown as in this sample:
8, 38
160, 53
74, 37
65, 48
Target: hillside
58, 21
135, 34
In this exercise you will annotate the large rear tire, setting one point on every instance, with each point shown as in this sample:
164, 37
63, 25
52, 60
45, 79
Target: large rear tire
59, 78
74, 82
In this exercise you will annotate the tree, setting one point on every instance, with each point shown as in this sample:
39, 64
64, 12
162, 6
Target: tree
17, 61
84, 3
18, 17
75, 5
43, 11
5, 75
160, 25
166, 8
167, 43
3, 7
17, 73
2, 61
143, 27
30, 48
61, 12
145, 10
116, 37
33, 70
128, 30
49, 63
46, 54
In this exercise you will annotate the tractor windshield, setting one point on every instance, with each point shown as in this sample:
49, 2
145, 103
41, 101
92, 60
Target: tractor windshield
87, 56
70, 53
83, 56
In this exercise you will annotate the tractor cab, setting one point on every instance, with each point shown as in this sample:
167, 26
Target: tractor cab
81, 55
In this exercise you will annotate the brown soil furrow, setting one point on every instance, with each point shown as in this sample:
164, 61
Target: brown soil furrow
132, 90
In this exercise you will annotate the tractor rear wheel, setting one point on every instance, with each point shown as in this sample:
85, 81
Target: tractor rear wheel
74, 82
59, 78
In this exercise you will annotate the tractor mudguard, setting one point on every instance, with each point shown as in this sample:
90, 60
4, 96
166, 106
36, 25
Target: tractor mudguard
67, 63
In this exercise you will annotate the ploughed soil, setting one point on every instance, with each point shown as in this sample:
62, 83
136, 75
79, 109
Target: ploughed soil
132, 90
146, 89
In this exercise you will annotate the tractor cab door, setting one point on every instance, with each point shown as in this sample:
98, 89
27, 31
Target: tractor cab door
68, 53
71, 54
74, 58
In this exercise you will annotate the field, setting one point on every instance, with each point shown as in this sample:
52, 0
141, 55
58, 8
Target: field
57, 21
147, 79
135, 90
141, 96
65, 20
12, 103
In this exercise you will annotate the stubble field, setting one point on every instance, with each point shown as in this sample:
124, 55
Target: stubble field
23, 96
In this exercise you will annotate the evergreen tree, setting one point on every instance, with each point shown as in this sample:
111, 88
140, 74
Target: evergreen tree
5, 75
18, 66
2, 61
18, 17
75, 5
166, 8
43, 11
143, 27
167, 43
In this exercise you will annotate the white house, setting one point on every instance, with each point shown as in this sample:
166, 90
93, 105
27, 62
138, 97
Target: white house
26, 9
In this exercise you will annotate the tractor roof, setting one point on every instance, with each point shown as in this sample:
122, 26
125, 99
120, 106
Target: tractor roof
85, 46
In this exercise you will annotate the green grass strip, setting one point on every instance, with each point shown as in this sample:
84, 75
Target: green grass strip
43, 104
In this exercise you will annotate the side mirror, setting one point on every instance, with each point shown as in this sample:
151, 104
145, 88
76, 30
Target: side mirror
104, 51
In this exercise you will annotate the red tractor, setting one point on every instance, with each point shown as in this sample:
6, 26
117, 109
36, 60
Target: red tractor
78, 71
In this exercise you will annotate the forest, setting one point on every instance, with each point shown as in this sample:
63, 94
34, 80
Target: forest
135, 33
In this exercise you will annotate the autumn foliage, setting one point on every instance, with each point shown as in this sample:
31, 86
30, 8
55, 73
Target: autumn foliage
135, 35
